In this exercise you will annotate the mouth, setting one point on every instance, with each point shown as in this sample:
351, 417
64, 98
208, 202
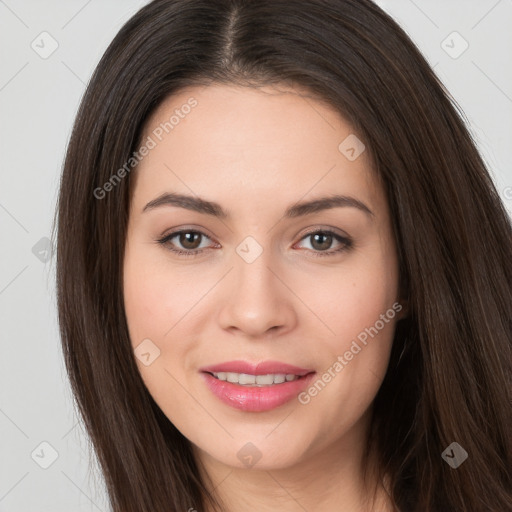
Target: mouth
256, 387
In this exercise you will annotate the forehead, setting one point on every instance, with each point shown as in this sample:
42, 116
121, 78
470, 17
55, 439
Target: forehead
250, 145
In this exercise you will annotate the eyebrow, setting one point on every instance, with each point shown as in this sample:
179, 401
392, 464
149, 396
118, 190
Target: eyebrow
200, 205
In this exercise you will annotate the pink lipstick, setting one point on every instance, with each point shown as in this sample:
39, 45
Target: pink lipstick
256, 387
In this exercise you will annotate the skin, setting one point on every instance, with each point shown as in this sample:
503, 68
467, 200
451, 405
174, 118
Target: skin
257, 152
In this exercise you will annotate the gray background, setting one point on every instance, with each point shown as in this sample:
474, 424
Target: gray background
38, 100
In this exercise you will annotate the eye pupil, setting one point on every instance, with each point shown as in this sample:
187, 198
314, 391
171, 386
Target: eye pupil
319, 237
188, 238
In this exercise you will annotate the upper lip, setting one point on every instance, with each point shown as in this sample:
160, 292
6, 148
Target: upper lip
263, 368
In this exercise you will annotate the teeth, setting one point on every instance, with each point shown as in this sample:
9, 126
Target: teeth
245, 379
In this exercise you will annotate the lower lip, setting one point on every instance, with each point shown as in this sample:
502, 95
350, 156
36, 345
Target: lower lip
254, 398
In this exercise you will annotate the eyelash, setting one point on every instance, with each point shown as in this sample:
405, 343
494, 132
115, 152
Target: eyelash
346, 242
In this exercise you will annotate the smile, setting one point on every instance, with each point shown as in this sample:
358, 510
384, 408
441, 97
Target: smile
246, 379
261, 393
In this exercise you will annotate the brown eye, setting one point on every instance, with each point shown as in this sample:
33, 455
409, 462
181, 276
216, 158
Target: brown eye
188, 239
187, 242
322, 240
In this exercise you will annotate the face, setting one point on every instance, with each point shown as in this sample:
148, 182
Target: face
262, 281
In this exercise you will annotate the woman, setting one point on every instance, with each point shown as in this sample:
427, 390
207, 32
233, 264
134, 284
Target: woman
339, 338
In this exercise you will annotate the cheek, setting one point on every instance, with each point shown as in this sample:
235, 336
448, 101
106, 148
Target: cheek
144, 302
154, 298
352, 297
154, 304
358, 303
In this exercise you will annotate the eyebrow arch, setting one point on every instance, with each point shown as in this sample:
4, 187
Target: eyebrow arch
297, 210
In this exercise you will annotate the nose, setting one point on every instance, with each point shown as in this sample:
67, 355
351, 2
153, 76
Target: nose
257, 299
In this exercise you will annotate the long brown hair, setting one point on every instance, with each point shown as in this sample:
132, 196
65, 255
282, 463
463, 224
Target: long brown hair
449, 375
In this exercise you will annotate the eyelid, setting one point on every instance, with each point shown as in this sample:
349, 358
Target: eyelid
325, 229
186, 229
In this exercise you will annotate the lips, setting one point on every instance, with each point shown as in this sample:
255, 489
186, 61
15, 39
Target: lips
253, 398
